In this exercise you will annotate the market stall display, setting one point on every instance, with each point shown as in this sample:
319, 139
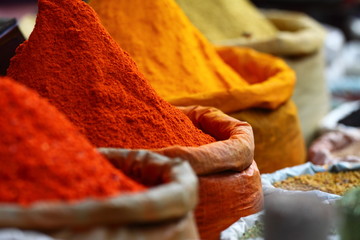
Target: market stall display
229, 180
299, 41
164, 211
342, 145
293, 36
114, 106
186, 69
239, 228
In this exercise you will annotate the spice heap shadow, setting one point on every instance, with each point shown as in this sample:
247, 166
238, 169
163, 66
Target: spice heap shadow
44, 157
72, 60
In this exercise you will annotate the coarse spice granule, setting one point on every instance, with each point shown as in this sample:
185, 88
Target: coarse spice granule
335, 183
43, 157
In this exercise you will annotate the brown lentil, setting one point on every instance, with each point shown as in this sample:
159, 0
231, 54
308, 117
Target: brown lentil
335, 183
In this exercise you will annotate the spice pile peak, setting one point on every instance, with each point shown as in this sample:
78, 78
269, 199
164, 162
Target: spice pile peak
73, 61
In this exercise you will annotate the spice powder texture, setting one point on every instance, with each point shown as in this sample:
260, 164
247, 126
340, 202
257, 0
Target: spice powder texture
184, 67
335, 183
170, 51
44, 157
72, 60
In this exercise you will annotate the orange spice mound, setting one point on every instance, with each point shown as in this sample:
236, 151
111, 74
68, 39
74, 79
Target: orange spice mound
43, 157
72, 60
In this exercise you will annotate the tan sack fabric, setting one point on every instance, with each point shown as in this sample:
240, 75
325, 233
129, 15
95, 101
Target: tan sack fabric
278, 139
224, 19
230, 185
299, 42
184, 67
297, 34
165, 209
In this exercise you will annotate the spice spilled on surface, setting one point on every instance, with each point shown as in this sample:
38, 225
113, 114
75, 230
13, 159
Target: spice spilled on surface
72, 60
45, 158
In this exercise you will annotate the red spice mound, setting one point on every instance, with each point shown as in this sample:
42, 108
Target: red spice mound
44, 157
72, 60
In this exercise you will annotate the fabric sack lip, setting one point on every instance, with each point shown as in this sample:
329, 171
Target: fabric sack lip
137, 208
234, 150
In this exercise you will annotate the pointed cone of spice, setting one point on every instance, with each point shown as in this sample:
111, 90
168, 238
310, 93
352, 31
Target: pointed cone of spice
183, 67
72, 60
43, 157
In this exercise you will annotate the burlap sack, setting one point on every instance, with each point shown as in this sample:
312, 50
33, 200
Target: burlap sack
230, 185
278, 139
299, 42
164, 211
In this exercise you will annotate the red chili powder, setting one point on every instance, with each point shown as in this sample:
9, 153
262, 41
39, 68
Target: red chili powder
44, 157
72, 60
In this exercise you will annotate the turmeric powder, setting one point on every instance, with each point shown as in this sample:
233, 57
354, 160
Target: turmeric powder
182, 66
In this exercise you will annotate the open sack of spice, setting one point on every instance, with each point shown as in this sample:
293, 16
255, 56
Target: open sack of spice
71, 60
229, 179
185, 69
293, 36
53, 180
288, 216
328, 184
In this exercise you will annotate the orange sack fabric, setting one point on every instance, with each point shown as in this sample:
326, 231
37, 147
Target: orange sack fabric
230, 185
182, 66
186, 69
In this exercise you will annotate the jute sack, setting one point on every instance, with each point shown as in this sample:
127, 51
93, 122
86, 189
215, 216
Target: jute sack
278, 138
230, 185
164, 211
299, 42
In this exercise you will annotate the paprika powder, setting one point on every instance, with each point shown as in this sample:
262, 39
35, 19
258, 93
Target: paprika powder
44, 157
72, 60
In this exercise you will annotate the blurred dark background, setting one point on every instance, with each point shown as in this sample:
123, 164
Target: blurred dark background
343, 14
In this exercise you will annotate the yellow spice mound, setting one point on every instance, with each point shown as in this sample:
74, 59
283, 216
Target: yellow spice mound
182, 66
